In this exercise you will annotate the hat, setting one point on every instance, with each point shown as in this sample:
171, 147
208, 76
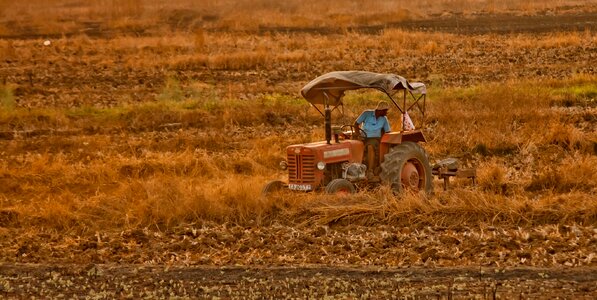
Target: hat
382, 105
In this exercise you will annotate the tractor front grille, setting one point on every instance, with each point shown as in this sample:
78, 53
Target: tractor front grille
301, 168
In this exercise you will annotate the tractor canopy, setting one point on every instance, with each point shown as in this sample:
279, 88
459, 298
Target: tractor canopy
330, 87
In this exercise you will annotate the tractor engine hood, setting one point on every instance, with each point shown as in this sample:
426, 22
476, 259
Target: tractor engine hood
347, 150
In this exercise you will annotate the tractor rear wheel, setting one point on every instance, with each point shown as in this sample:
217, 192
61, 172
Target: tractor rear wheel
406, 168
271, 187
340, 186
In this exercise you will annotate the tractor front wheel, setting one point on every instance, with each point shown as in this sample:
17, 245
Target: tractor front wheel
406, 168
340, 186
271, 187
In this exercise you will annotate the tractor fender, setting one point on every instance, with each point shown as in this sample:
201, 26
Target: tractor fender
394, 138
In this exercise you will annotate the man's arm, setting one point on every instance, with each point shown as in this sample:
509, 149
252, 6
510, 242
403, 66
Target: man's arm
357, 130
360, 119
357, 125
386, 127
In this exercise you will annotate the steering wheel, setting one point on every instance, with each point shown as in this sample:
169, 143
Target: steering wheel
352, 131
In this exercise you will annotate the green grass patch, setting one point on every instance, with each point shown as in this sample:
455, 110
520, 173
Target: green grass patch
172, 91
578, 90
203, 106
587, 91
7, 99
281, 100
367, 98
27, 119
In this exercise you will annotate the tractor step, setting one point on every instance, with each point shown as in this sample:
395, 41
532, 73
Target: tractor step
449, 168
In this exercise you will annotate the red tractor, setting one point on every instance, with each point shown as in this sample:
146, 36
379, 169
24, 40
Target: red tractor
336, 165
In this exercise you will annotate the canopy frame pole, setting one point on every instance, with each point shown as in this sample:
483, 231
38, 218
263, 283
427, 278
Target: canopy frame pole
417, 103
317, 108
405, 111
424, 109
340, 110
327, 118
393, 101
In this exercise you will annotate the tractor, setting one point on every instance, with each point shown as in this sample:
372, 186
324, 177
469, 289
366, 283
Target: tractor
337, 165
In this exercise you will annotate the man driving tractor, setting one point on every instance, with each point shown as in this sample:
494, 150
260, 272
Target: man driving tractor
334, 165
375, 124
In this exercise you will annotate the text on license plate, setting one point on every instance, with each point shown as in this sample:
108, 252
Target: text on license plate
300, 187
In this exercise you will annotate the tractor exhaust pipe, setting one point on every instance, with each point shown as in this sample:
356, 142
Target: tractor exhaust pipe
327, 119
328, 124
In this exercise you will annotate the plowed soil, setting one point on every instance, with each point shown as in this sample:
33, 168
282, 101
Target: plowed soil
104, 72
280, 261
134, 281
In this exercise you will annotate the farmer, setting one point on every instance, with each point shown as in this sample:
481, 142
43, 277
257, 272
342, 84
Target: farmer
375, 124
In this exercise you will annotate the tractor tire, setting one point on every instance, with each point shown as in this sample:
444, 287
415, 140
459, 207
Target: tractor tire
271, 187
406, 168
340, 186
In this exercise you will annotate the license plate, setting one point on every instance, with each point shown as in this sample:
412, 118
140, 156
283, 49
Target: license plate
300, 187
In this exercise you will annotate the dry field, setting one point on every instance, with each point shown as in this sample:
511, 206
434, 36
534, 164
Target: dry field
135, 137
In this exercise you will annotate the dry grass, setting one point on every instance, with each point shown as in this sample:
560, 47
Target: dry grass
458, 207
184, 124
409, 42
205, 173
551, 41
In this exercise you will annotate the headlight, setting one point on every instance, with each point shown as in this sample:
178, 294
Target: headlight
283, 165
321, 165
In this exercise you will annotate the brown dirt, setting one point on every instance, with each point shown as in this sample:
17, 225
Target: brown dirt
138, 281
383, 246
470, 25
480, 23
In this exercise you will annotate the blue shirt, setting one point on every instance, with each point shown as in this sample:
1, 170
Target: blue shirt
372, 125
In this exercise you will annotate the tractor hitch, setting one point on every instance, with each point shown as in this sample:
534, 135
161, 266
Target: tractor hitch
448, 167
